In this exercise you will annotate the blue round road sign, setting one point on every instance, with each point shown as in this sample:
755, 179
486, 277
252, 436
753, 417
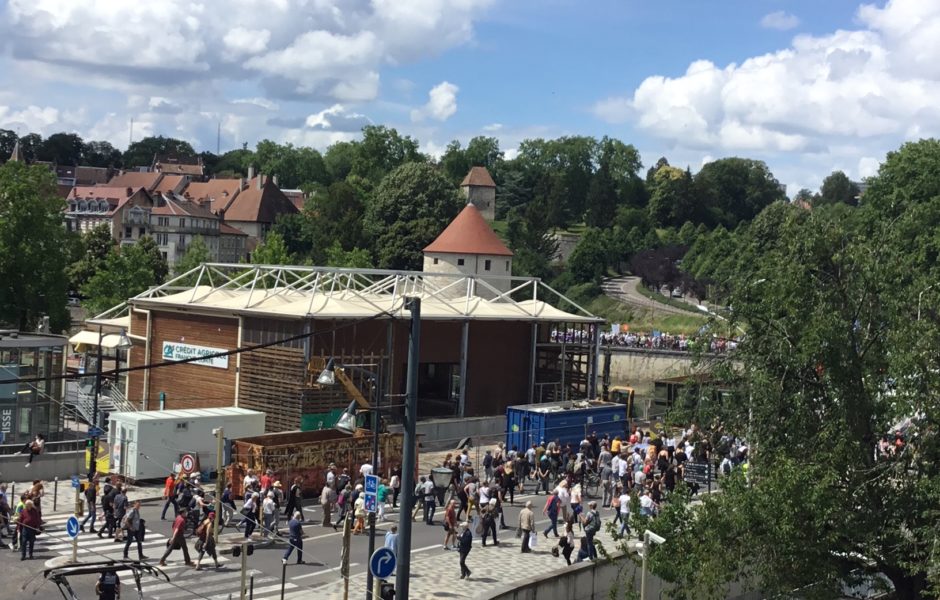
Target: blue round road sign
382, 563
71, 527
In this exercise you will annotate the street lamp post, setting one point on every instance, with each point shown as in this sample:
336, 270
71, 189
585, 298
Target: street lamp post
403, 574
123, 342
649, 538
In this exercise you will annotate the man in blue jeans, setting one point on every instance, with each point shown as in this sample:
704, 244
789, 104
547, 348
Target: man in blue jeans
592, 524
295, 538
429, 501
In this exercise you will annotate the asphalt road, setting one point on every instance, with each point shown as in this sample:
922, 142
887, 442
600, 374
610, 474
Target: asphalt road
624, 289
322, 553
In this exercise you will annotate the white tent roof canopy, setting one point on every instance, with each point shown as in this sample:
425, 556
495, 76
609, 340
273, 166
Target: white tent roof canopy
90, 338
335, 293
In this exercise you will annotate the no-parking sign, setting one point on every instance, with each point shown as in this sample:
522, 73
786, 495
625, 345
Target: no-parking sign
187, 463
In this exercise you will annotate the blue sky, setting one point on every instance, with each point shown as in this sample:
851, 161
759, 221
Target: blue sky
808, 86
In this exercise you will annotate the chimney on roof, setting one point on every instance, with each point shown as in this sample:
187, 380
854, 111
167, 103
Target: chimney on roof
251, 172
260, 179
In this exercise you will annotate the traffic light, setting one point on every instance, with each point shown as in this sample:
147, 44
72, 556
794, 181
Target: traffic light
237, 550
89, 443
387, 592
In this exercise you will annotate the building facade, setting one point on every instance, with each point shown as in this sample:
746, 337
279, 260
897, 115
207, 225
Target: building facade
479, 189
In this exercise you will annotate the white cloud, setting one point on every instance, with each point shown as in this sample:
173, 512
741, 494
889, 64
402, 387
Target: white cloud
241, 41
845, 95
259, 102
337, 118
307, 49
868, 167
441, 105
780, 20
492, 127
36, 119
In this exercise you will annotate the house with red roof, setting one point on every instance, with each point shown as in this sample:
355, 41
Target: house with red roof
469, 246
125, 209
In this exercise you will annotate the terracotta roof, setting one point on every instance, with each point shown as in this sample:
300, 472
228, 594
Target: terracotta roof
469, 233
177, 206
136, 179
479, 177
215, 192
297, 197
172, 169
101, 191
168, 184
259, 206
226, 229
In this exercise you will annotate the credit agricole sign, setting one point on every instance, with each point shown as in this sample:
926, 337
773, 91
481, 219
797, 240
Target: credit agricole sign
178, 351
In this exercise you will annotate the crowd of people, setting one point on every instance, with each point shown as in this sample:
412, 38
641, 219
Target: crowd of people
650, 340
21, 521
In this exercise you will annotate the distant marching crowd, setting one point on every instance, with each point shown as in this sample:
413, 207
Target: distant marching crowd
654, 340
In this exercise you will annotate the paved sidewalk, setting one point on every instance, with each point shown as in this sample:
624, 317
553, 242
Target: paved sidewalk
436, 574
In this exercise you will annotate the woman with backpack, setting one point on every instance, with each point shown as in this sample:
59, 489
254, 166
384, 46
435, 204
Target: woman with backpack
205, 541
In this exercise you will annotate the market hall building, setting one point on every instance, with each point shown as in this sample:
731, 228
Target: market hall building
478, 354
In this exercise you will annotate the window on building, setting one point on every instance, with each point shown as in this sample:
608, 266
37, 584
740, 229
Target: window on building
182, 222
141, 232
435, 261
486, 265
507, 266
459, 262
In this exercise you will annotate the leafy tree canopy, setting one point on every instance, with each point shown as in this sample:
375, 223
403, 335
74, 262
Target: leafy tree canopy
127, 271
141, 152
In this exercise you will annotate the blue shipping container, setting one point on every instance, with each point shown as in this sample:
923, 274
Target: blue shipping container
528, 424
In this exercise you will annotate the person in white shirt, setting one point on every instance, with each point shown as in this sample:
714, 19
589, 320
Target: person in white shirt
639, 479
564, 497
623, 467
331, 475
625, 512
268, 508
647, 506
365, 469
485, 493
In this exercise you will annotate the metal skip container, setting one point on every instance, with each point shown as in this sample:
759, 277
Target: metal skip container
569, 422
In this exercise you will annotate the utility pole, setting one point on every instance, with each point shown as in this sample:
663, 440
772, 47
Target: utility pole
244, 590
93, 453
408, 459
219, 433
375, 471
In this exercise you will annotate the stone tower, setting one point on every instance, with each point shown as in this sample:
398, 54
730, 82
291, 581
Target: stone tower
480, 190
469, 246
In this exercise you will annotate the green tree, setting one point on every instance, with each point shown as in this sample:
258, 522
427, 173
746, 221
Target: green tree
293, 166
601, 199
672, 196
483, 152
339, 159
382, 150
272, 251
141, 152
7, 141
33, 248
127, 271
95, 246
62, 149
196, 254
514, 190
454, 162
838, 351
414, 193
532, 241
102, 154
837, 187
29, 146
233, 163
732, 190
807, 196
357, 258
588, 261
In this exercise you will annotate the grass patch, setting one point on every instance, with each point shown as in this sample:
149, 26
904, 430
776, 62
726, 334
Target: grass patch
657, 297
643, 320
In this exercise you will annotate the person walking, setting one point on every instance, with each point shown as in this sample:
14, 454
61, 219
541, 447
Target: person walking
450, 525
268, 508
295, 538
344, 502
466, 541
133, 526
120, 509
29, 523
91, 502
395, 484
205, 541
177, 539
108, 586
419, 498
295, 498
360, 514
592, 524
327, 500
552, 505
250, 512
527, 525
169, 496
489, 521
566, 543
624, 511
430, 500
107, 507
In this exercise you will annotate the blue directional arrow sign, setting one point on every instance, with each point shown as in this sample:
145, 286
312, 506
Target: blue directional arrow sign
75, 482
95, 432
371, 503
382, 563
71, 527
372, 484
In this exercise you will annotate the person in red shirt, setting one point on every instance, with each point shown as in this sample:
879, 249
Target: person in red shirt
177, 539
169, 494
267, 480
